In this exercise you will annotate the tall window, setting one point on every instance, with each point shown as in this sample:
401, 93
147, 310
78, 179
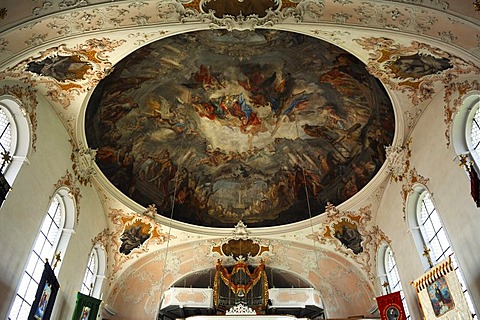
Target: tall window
94, 273
433, 233
434, 237
51, 237
475, 132
389, 275
5, 135
14, 136
466, 128
90, 273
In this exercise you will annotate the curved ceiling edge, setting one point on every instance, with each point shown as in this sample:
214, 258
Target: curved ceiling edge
358, 198
24, 35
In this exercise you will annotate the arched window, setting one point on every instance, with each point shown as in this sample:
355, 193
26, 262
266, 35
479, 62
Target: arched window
14, 136
5, 135
430, 235
94, 273
474, 128
388, 274
52, 237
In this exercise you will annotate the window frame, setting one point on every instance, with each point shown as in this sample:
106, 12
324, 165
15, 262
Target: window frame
383, 275
59, 244
92, 257
99, 275
20, 136
420, 236
427, 238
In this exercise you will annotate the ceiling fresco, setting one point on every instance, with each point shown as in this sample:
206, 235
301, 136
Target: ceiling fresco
260, 126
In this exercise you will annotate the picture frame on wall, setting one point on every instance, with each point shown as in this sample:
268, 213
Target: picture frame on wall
45, 296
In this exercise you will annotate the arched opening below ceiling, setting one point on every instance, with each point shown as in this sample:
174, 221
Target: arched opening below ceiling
198, 294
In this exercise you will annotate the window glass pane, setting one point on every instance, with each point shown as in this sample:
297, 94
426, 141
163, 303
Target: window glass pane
444, 243
5, 133
429, 229
435, 221
39, 245
16, 308
436, 249
434, 234
25, 310
428, 204
31, 265
30, 295
43, 248
475, 132
37, 273
394, 278
22, 289
90, 274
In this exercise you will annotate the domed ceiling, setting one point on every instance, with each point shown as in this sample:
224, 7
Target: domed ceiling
260, 126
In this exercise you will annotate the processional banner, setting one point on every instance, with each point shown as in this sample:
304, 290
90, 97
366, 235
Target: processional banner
45, 297
440, 294
390, 307
86, 307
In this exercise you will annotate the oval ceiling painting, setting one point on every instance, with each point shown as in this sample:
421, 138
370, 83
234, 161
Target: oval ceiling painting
257, 126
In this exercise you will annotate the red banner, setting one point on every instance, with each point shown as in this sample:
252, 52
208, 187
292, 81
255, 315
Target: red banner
391, 307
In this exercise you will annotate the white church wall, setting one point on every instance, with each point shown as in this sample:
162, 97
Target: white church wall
390, 220
91, 222
450, 188
25, 208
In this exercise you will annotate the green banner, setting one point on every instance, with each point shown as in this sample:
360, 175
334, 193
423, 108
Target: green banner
86, 307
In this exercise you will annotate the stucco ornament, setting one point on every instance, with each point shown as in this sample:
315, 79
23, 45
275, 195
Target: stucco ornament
247, 14
82, 164
412, 178
439, 4
454, 95
241, 246
240, 309
66, 72
28, 105
240, 231
69, 181
398, 161
417, 69
151, 211
131, 236
353, 235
